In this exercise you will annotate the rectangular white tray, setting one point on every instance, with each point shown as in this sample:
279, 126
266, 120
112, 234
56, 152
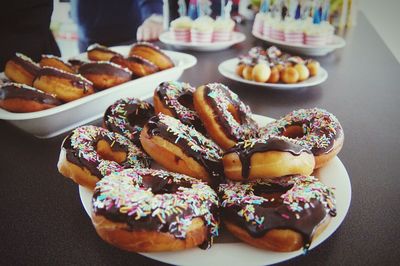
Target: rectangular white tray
57, 120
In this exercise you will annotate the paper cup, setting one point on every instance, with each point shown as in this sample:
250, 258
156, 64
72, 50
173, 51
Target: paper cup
201, 36
294, 37
277, 34
181, 35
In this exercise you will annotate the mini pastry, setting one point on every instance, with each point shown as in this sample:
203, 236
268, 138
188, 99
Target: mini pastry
313, 67
261, 72
56, 62
303, 71
21, 69
289, 75
105, 74
21, 98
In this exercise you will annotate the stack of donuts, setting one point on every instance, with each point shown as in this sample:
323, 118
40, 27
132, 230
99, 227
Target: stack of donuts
272, 66
52, 81
220, 165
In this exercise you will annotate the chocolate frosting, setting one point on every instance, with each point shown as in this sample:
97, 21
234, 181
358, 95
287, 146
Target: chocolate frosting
75, 80
28, 66
132, 113
187, 199
263, 145
270, 210
12, 91
74, 154
186, 99
213, 166
105, 69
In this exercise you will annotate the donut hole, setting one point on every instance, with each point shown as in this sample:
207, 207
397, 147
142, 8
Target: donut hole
108, 151
272, 193
232, 110
294, 132
162, 185
187, 101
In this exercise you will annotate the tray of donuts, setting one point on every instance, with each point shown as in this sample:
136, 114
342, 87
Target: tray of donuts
55, 95
198, 169
273, 68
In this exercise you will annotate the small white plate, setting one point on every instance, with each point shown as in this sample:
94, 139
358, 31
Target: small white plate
168, 38
52, 122
228, 70
313, 50
334, 174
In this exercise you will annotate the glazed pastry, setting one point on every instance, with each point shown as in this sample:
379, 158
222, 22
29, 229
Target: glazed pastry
316, 129
105, 74
152, 53
289, 75
303, 71
182, 149
21, 69
275, 75
267, 158
149, 210
56, 62
313, 67
20, 98
89, 153
65, 86
137, 65
261, 72
97, 52
76, 64
175, 99
226, 119
128, 117
282, 215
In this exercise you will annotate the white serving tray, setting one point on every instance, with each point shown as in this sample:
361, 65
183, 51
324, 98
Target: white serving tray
55, 121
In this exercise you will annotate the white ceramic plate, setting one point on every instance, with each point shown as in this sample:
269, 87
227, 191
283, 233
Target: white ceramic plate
228, 70
57, 120
168, 38
337, 42
334, 175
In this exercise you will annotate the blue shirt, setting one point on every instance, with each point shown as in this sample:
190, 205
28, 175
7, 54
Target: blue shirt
111, 22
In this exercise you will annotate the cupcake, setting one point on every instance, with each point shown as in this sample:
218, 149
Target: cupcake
315, 35
277, 32
267, 25
223, 28
180, 29
258, 23
294, 32
202, 30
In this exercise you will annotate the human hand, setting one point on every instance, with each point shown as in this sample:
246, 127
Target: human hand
151, 28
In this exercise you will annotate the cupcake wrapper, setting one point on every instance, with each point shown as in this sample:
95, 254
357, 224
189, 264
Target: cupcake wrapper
294, 37
181, 35
315, 40
201, 37
222, 36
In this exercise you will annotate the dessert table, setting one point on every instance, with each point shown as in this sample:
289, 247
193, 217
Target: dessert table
43, 221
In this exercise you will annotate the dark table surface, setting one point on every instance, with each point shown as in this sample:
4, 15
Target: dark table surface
43, 221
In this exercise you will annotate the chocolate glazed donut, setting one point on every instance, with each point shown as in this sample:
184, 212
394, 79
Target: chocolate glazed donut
22, 98
21, 69
182, 149
146, 210
281, 215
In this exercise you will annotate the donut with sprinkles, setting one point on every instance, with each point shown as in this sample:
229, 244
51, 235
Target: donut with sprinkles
181, 148
316, 129
175, 99
146, 210
127, 117
226, 118
89, 153
267, 158
282, 215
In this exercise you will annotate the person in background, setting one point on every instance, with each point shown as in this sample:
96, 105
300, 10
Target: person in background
25, 28
116, 22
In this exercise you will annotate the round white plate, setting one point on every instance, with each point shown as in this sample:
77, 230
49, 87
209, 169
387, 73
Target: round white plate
228, 70
334, 174
168, 38
337, 42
